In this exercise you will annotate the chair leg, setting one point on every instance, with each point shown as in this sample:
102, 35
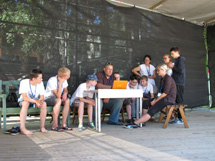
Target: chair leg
73, 114
122, 113
183, 116
161, 115
168, 117
103, 114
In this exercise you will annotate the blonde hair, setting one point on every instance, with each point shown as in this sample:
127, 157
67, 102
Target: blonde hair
163, 66
63, 72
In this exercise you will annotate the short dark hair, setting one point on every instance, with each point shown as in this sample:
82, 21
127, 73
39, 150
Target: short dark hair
116, 73
35, 73
147, 56
174, 48
133, 77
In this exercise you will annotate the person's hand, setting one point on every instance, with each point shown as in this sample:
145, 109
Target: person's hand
144, 99
64, 97
150, 77
61, 80
41, 101
153, 103
38, 104
106, 100
92, 102
170, 65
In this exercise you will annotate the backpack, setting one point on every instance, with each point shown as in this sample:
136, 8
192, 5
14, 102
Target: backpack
12, 100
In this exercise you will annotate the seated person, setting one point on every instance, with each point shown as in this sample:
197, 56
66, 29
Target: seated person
166, 97
84, 97
148, 94
105, 81
56, 94
116, 75
32, 95
129, 103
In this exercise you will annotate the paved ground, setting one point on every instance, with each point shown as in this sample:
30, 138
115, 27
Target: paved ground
150, 143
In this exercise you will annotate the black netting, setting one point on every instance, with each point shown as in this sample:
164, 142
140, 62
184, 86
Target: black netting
85, 34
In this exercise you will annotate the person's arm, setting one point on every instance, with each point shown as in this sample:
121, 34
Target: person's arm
58, 92
156, 100
136, 70
28, 99
65, 93
180, 67
102, 86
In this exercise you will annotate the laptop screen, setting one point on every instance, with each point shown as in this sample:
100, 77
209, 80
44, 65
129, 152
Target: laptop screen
120, 84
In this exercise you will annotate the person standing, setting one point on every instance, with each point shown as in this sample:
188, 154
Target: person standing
178, 75
148, 70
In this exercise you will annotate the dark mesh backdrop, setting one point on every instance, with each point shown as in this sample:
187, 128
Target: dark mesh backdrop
211, 63
84, 35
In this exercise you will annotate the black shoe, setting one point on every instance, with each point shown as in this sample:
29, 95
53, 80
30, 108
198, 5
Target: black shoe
131, 126
13, 131
114, 123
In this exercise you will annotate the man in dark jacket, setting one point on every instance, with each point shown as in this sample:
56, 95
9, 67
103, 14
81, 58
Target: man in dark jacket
178, 75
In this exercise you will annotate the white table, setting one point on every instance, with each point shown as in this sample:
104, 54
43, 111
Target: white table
115, 93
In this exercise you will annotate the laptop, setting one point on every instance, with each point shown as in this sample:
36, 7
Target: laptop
120, 84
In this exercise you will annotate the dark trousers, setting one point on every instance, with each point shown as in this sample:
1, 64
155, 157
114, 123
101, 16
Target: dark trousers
179, 97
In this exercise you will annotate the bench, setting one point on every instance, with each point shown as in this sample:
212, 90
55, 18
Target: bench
13, 85
171, 109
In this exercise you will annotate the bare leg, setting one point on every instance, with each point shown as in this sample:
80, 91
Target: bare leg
65, 112
56, 111
80, 112
145, 111
23, 116
90, 113
128, 109
143, 119
43, 112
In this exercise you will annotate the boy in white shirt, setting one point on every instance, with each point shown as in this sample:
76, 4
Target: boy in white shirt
148, 95
32, 95
129, 103
56, 94
84, 97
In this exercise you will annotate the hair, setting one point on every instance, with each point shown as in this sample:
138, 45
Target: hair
163, 66
169, 56
144, 78
63, 72
108, 64
133, 77
35, 73
147, 56
174, 48
116, 73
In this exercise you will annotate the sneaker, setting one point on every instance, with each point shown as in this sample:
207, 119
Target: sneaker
177, 121
131, 126
81, 128
13, 131
91, 125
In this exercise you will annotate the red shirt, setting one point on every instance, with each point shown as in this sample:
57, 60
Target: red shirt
103, 79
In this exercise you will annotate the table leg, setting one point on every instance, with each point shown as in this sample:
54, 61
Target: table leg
137, 108
141, 110
96, 111
99, 114
4, 112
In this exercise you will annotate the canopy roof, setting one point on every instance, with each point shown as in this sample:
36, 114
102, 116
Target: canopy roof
199, 12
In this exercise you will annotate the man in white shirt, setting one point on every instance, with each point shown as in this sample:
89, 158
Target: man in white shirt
32, 95
56, 94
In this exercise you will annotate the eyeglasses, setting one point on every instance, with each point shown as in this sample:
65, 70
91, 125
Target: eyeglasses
108, 63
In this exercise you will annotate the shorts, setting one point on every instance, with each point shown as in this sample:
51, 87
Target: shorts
127, 101
30, 104
50, 101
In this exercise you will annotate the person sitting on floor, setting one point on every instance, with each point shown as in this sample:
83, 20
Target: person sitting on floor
56, 94
130, 103
166, 97
105, 81
83, 97
32, 95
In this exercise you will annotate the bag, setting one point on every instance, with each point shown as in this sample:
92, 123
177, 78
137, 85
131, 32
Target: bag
147, 95
12, 100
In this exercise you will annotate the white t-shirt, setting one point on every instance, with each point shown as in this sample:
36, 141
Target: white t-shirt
52, 84
146, 89
169, 72
80, 92
131, 88
144, 70
31, 91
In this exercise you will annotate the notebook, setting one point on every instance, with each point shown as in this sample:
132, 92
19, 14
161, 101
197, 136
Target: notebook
120, 84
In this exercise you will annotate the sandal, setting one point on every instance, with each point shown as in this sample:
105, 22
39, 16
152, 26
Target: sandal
66, 128
58, 129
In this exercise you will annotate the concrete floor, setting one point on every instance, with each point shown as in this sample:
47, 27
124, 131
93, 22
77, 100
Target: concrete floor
150, 143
